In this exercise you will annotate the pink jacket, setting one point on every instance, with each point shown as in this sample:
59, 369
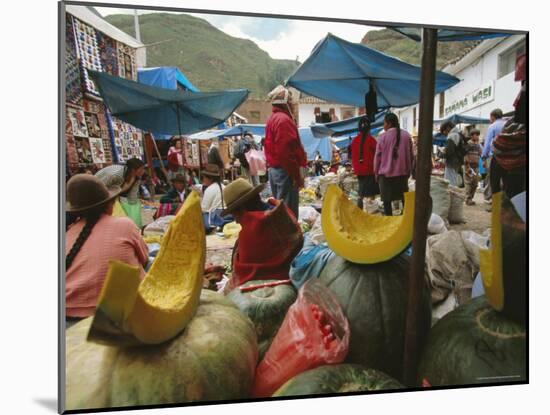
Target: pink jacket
384, 164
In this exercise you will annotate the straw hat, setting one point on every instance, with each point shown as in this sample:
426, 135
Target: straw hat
85, 191
211, 170
237, 193
281, 95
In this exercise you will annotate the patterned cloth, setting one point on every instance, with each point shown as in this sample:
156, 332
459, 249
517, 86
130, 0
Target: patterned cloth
88, 53
72, 72
111, 238
510, 146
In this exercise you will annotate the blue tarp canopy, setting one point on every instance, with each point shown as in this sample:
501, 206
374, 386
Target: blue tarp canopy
342, 142
449, 35
463, 119
166, 111
439, 139
168, 77
210, 134
344, 127
312, 144
341, 71
255, 129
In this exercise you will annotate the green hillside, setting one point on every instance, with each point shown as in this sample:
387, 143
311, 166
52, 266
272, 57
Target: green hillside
211, 59
399, 46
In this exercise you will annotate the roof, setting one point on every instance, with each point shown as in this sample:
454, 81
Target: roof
308, 99
90, 17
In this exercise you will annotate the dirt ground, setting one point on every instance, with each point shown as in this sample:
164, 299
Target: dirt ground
478, 218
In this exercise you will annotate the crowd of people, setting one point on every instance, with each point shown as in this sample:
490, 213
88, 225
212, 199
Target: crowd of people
104, 210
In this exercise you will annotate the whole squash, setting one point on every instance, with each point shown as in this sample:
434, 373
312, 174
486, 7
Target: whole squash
474, 344
374, 299
337, 379
266, 307
214, 358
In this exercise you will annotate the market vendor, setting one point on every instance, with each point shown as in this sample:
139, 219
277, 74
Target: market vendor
175, 159
128, 178
93, 240
270, 237
174, 198
212, 198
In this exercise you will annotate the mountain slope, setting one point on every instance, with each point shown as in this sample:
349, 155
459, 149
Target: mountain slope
211, 59
399, 46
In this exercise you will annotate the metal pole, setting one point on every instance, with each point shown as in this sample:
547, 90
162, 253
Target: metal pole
422, 205
136, 25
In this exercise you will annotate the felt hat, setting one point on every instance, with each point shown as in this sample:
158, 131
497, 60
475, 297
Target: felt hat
211, 171
179, 178
85, 191
237, 193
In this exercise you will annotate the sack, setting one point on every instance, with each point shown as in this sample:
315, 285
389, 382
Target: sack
314, 332
456, 209
440, 197
436, 225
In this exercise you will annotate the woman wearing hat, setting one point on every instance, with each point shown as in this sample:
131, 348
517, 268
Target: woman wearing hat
93, 240
174, 198
270, 237
128, 178
212, 198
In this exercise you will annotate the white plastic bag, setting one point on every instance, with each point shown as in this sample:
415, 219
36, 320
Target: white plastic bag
307, 214
436, 225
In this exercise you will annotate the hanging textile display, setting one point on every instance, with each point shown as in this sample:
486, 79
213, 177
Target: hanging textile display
88, 53
98, 152
108, 53
128, 140
98, 132
73, 89
126, 62
77, 120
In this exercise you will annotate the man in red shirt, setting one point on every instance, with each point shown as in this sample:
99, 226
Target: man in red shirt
284, 153
363, 148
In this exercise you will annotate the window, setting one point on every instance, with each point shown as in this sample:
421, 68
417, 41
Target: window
404, 123
414, 117
507, 59
441, 105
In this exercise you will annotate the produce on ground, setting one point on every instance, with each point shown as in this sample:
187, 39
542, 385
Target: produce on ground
214, 358
374, 300
361, 237
474, 344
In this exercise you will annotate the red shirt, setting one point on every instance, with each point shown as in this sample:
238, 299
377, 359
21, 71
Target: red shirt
282, 144
366, 166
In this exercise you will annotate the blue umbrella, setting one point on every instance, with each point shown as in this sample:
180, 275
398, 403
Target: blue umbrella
341, 71
163, 110
344, 127
463, 119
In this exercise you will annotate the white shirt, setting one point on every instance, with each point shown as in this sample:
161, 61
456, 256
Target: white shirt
212, 198
181, 195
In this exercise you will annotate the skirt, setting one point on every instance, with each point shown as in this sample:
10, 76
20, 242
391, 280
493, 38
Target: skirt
368, 186
392, 188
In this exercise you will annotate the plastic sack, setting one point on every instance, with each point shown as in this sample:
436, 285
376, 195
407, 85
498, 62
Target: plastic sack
307, 214
440, 197
456, 208
133, 211
314, 332
309, 263
436, 225
316, 234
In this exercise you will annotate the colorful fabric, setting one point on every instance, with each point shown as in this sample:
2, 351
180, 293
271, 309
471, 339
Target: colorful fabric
282, 144
510, 146
88, 53
111, 238
384, 163
127, 67
108, 53
268, 242
365, 166
73, 90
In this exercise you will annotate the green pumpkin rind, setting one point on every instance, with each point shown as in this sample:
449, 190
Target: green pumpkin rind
337, 379
266, 307
474, 344
374, 300
213, 359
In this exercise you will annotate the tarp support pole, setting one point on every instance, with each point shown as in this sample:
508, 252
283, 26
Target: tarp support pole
422, 207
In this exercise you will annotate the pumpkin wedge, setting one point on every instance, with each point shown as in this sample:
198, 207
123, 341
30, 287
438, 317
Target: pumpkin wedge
503, 266
160, 306
363, 238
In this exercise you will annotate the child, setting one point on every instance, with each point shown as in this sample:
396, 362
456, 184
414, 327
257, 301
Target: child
473, 152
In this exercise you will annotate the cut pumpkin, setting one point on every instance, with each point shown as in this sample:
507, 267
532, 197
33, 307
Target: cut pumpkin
363, 238
159, 307
503, 265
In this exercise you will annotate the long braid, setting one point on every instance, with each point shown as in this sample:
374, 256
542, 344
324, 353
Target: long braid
91, 218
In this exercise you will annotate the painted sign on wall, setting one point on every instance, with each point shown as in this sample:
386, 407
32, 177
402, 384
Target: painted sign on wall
474, 99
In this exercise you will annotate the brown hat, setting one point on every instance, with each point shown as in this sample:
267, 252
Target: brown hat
85, 191
211, 170
237, 193
179, 178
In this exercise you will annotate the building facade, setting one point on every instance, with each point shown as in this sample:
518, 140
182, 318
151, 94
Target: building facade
314, 110
486, 76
